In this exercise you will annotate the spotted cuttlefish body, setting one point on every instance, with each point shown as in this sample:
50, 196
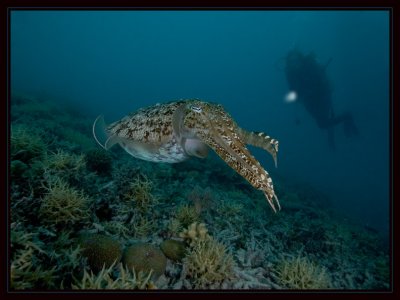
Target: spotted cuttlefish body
175, 131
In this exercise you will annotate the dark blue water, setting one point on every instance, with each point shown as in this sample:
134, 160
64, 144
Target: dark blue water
114, 62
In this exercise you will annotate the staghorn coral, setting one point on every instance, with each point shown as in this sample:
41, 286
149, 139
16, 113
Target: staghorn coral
201, 198
140, 193
26, 144
117, 228
62, 161
65, 165
229, 209
145, 257
24, 275
100, 250
174, 227
124, 280
207, 263
301, 273
187, 215
18, 169
141, 226
24, 272
63, 205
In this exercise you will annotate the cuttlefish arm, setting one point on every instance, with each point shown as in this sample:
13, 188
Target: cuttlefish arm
261, 140
217, 129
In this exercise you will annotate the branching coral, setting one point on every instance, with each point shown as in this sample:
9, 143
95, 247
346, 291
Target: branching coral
99, 161
63, 204
64, 165
208, 262
26, 144
124, 280
141, 226
64, 161
140, 192
187, 215
24, 273
230, 209
300, 273
201, 199
117, 228
194, 233
174, 227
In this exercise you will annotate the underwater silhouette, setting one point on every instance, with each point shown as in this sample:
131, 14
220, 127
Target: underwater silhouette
308, 79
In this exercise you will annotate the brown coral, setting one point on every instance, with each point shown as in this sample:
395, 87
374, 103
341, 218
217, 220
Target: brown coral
101, 250
173, 249
145, 257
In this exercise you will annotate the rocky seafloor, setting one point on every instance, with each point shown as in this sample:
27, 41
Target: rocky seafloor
85, 218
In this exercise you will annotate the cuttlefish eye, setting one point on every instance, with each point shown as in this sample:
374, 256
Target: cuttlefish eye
196, 109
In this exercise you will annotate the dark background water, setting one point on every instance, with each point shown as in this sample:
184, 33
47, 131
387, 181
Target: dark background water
114, 62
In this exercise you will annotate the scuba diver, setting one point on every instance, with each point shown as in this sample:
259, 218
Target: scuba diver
309, 81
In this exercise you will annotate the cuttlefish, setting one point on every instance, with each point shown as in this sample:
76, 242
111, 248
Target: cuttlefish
175, 131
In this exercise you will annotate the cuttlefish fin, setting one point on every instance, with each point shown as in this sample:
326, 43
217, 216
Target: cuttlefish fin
102, 136
261, 140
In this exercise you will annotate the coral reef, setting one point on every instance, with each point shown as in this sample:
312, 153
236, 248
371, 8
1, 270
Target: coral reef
207, 262
125, 280
187, 215
26, 144
67, 166
98, 160
24, 274
301, 273
63, 205
145, 257
62, 162
173, 249
61, 186
140, 193
18, 169
174, 227
195, 232
100, 250
202, 199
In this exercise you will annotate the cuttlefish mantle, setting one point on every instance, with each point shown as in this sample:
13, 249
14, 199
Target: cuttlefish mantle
175, 131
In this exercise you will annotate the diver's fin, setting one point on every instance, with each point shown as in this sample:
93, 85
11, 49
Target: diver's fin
102, 136
350, 128
331, 138
260, 139
328, 63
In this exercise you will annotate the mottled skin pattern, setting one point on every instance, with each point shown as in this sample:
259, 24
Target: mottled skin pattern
175, 131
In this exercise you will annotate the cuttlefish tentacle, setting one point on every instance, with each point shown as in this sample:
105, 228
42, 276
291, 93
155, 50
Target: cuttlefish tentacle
217, 129
261, 140
173, 132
